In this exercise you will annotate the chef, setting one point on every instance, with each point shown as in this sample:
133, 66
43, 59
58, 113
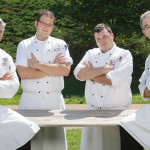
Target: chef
15, 130
138, 123
42, 61
107, 71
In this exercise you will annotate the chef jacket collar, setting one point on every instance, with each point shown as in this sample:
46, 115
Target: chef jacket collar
109, 52
46, 41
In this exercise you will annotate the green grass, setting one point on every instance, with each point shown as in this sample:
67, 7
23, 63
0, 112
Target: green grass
74, 93
73, 139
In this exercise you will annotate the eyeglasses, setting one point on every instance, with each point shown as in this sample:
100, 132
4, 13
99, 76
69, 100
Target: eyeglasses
147, 26
46, 24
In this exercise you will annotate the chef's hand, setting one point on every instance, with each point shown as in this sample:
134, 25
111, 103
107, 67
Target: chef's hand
109, 67
87, 64
7, 76
60, 59
32, 63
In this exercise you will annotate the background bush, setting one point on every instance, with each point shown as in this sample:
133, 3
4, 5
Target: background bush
75, 20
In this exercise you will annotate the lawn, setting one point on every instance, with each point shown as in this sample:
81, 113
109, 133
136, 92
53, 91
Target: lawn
74, 93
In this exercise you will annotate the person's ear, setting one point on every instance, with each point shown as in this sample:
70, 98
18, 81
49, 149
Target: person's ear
36, 24
112, 35
144, 33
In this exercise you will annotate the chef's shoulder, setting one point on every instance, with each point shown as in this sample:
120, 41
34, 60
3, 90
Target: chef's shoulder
123, 51
57, 40
5, 57
28, 41
93, 52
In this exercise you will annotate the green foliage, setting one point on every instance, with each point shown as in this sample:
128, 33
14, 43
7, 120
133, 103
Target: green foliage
75, 20
140, 49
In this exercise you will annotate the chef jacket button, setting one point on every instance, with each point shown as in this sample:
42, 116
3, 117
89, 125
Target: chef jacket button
109, 54
35, 41
99, 53
106, 63
103, 84
39, 92
93, 82
92, 94
148, 68
37, 82
47, 92
49, 50
47, 82
101, 96
37, 50
48, 42
96, 61
49, 61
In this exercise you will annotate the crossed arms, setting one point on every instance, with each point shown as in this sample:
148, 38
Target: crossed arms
36, 70
95, 74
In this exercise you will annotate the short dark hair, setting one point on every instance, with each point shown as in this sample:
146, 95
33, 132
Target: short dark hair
101, 27
46, 13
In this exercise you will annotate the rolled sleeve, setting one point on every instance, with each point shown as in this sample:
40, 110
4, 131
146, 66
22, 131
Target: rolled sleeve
21, 58
8, 88
122, 70
143, 79
80, 65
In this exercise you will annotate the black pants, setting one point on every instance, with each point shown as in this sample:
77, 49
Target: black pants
27, 146
128, 142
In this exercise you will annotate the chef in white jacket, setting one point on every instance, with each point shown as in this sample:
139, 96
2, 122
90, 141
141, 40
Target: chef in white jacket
15, 130
107, 71
138, 123
42, 61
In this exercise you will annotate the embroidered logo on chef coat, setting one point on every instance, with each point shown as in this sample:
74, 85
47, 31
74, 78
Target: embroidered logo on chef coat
5, 61
57, 49
119, 59
66, 47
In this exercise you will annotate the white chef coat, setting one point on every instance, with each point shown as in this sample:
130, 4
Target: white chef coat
44, 93
15, 130
144, 77
8, 87
138, 123
99, 96
115, 96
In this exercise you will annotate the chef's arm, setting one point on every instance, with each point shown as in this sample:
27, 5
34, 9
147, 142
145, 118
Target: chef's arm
29, 73
87, 72
55, 69
102, 79
9, 85
59, 68
146, 93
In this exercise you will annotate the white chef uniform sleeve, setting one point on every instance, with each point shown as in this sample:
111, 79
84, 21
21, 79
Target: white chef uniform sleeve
143, 78
8, 88
21, 57
65, 52
80, 65
122, 70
